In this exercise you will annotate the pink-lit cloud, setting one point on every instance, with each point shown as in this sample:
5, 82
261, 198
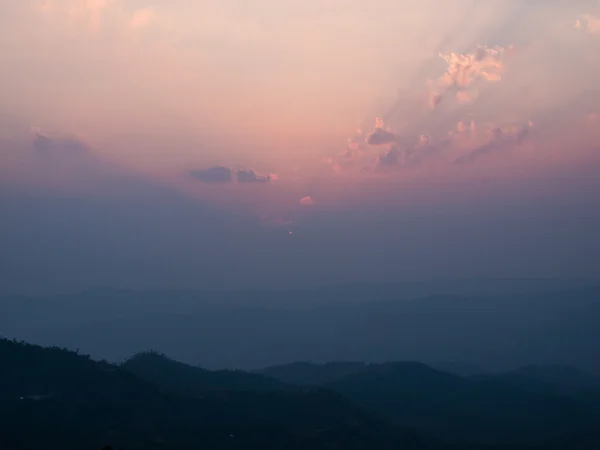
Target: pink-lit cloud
589, 23
307, 201
464, 69
152, 83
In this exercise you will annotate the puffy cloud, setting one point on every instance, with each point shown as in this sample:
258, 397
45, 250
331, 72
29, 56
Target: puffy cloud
380, 135
307, 201
222, 174
464, 69
217, 174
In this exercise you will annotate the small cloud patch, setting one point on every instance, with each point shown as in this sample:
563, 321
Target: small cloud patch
217, 174
307, 201
222, 174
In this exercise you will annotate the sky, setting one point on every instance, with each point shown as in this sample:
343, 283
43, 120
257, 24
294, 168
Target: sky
260, 143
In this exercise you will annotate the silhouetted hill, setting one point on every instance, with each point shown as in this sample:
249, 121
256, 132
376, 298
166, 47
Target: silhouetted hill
488, 408
457, 408
53, 398
309, 374
555, 379
177, 377
462, 369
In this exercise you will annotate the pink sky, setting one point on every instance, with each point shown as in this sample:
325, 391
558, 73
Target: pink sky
285, 111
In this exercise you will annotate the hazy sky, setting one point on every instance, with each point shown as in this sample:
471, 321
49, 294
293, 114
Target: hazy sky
233, 143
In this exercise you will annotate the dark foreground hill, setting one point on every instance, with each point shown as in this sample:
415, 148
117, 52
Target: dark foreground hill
53, 398
177, 377
486, 409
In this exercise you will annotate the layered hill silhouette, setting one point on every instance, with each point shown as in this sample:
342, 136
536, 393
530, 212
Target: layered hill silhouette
488, 408
182, 378
520, 372
54, 398
523, 323
57, 396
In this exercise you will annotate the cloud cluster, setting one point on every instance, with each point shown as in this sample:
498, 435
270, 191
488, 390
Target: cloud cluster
464, 69
222, 174
498, 139
466, 143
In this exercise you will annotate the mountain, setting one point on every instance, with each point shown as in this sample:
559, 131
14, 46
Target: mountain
54, 398
462, 369
181, 378
255, 329
555, 379
445, 405
309, 374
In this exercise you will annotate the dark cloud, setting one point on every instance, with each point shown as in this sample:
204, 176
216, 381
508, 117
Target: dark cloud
390, 158
251, 176
61, 149
58, 147
217, 174
379, 136
222, 174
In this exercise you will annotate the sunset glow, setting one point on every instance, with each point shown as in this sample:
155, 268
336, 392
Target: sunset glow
283, 112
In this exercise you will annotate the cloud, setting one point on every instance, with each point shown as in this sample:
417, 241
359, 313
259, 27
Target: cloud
589, 23
463, 127
381, 136
424, 141
61, 154
499, 138
222, 174
435, 99
251, 176
464, 69
390, 158
217, 174
307, 201
57, 147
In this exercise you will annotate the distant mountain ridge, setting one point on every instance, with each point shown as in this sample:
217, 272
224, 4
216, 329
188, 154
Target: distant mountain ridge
553, 324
